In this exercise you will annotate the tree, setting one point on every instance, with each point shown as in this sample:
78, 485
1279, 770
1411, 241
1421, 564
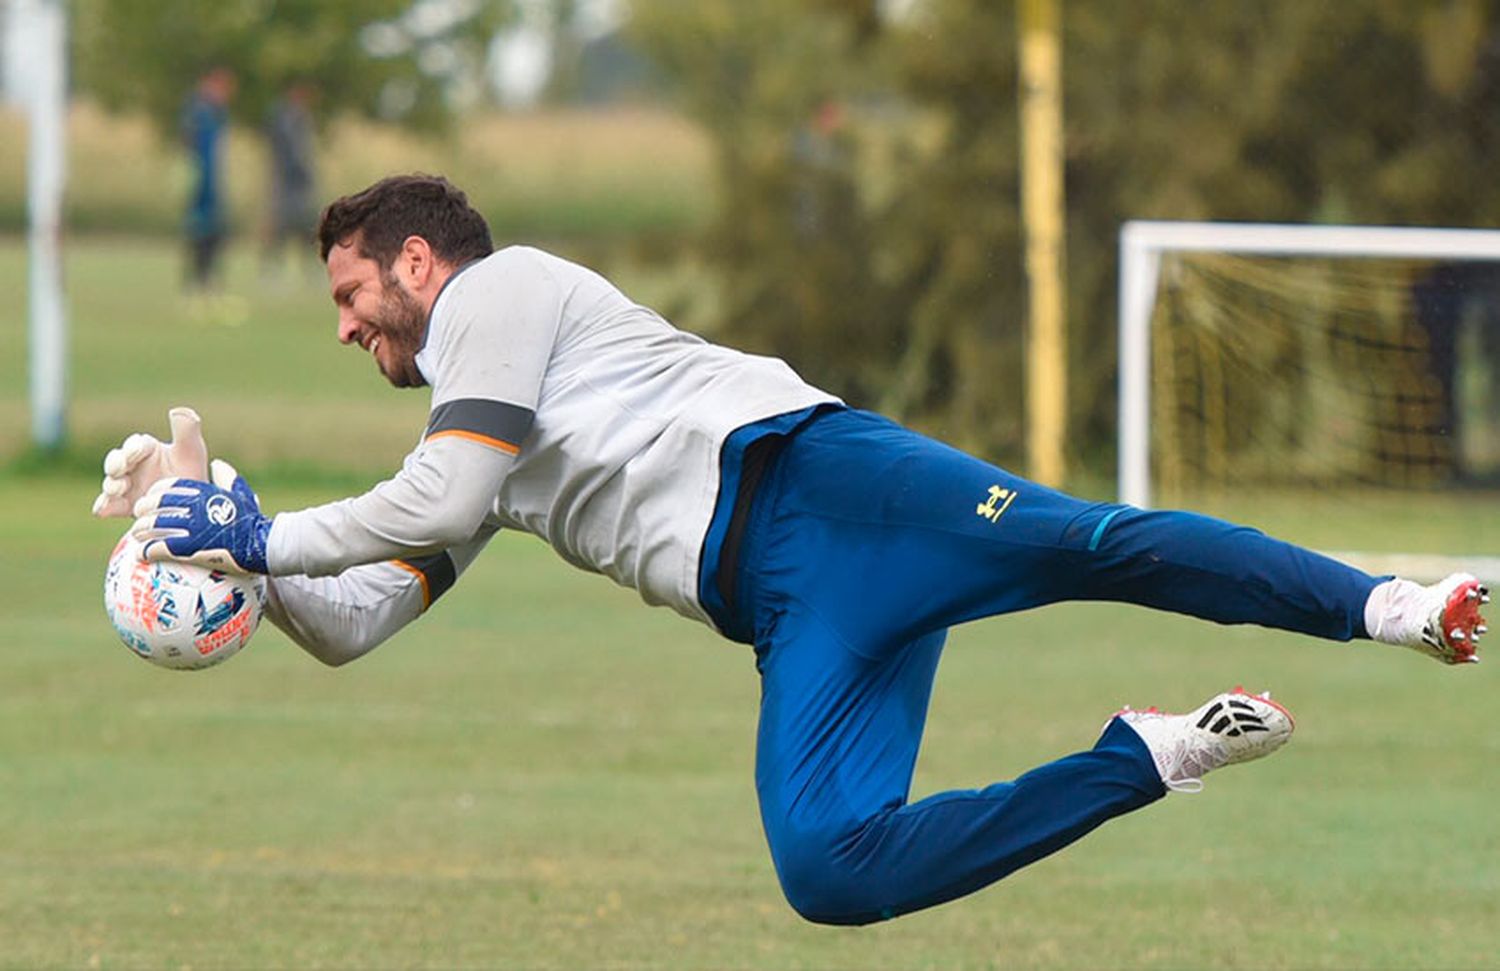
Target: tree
867, 228
409, 60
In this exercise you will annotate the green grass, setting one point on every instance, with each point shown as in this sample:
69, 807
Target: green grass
544, 774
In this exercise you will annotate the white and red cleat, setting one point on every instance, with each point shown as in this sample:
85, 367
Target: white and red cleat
1442, 620
1229, 728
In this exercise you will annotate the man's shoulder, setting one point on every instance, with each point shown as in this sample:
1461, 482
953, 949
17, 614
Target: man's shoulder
519, 257
510, 277
520, 267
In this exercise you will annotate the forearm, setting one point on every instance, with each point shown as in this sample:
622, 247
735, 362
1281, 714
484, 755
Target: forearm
437, 501
337, 619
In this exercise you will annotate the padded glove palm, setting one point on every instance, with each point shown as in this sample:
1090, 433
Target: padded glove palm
142, 459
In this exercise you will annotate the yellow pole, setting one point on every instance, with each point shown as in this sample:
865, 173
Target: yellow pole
1043, 218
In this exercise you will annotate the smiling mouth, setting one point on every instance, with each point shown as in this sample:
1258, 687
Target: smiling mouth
374, 344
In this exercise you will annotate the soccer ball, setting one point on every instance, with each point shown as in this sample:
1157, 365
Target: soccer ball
179, 615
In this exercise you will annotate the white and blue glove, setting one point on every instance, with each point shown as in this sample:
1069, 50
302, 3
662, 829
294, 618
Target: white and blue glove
215, 524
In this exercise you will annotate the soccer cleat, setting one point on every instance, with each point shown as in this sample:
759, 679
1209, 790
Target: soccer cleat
1232, 727
1442, 620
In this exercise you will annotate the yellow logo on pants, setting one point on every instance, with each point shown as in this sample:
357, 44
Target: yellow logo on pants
999, 501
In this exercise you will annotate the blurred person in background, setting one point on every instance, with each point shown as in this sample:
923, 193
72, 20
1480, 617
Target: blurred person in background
1449, 298
290, 135
822, 170
204, 119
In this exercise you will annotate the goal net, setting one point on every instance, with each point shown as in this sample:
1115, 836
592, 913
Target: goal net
1321, 381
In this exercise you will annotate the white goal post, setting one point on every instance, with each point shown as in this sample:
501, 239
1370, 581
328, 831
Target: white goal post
1142, 246
35, 34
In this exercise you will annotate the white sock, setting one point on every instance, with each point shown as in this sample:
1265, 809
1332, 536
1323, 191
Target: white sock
1393, 614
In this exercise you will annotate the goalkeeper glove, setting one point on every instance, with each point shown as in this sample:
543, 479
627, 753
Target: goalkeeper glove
214, 524
141, 460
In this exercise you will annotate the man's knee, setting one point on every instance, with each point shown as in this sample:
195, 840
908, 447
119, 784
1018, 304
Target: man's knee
822, 878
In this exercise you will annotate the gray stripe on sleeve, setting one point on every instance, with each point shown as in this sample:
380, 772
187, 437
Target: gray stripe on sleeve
439, 572
497, 420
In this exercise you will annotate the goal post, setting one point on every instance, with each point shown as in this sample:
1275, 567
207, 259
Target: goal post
1301, 360
36, 65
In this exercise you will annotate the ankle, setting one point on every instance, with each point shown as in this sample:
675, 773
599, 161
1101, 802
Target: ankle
1391, 611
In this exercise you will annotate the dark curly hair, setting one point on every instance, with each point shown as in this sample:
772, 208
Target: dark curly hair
380, 218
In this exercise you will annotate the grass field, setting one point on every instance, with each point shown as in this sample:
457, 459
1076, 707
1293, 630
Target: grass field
544, 774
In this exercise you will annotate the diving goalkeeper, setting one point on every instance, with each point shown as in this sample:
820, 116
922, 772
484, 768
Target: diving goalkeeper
839, 544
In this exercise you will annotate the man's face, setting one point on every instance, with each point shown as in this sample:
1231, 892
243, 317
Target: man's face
378, 313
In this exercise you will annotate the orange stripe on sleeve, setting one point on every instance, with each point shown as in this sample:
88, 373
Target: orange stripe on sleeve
502, 445
422, 577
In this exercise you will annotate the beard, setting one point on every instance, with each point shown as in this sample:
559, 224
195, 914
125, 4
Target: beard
401, 323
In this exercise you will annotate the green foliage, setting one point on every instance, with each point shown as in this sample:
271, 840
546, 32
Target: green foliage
909, 295
846, 228
392, 58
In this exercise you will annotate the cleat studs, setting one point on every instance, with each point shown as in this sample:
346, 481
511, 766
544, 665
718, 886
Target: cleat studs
1457, 634
1481, 629
1472, 594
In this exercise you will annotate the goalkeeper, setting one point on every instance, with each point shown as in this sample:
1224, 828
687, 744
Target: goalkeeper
837, 543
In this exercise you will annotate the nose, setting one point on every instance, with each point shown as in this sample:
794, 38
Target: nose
348, 328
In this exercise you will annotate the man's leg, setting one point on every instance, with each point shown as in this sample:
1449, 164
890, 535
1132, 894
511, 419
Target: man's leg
907, 535
202, 254
837, 743
865, 538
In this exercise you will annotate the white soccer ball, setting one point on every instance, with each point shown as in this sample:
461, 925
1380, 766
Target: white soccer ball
179, 615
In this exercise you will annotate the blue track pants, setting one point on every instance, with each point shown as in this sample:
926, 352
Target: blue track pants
863, 543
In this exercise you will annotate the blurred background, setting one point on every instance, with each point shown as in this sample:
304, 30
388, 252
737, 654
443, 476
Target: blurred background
835, 181
920, 205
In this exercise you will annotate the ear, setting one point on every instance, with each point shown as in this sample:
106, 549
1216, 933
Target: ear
415, 263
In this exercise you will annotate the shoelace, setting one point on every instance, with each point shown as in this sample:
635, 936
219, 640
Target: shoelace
1197, 757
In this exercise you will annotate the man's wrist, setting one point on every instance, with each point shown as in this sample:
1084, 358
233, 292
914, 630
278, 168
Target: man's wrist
260, 545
